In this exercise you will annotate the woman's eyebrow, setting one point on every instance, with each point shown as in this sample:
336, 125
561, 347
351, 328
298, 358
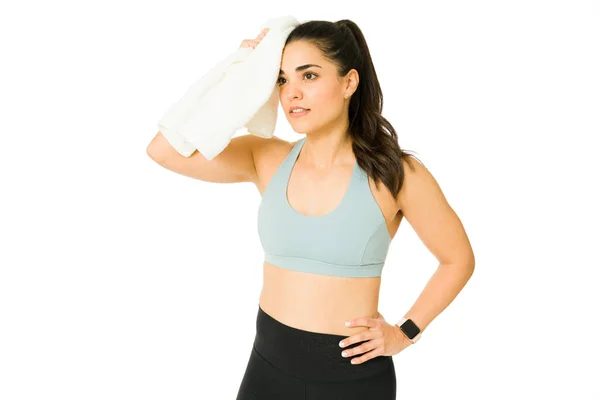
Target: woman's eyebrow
301, 68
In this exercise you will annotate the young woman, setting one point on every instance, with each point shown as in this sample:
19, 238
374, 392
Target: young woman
331, 204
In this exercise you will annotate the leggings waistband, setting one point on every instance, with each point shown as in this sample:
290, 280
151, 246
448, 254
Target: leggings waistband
310, 355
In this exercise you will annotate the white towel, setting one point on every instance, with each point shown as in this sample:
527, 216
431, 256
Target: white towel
240, 91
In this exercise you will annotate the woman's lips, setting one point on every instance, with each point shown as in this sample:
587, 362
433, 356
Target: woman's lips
299, 114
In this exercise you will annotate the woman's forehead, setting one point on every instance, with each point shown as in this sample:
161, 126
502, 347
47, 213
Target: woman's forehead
300, 53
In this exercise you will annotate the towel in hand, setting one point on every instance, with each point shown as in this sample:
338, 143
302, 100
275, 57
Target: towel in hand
240, 91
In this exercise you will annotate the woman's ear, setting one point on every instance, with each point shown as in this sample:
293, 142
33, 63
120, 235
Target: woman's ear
352, 80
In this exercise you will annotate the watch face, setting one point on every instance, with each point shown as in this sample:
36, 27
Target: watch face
410, 329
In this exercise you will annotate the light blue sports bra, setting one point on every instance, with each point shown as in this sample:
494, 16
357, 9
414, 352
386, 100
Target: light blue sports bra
350, 241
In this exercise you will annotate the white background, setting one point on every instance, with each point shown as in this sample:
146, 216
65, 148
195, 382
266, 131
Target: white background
122, 280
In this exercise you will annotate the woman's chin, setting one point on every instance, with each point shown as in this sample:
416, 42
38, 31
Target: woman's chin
301, 131
298, 125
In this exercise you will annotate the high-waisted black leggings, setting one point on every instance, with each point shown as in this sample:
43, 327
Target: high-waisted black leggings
293, 364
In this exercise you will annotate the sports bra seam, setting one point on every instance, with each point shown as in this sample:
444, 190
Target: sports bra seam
325, 262
362, 257
373, 200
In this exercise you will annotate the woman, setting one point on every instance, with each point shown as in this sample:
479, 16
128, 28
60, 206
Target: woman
326, 223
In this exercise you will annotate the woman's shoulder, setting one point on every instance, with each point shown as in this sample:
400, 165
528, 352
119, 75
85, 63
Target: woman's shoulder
269, 154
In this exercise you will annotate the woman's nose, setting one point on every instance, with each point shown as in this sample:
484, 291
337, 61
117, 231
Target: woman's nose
293, 93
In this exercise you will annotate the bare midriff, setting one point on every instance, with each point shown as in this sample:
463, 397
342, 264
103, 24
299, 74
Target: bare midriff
318, 303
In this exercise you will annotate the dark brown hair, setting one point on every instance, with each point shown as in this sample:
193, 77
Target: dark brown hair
374, 140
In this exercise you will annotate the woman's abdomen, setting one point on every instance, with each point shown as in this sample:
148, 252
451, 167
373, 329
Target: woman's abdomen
318, 303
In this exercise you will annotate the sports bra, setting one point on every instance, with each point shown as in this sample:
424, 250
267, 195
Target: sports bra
350, 241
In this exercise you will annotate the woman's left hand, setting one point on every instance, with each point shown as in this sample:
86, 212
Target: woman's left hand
385, 339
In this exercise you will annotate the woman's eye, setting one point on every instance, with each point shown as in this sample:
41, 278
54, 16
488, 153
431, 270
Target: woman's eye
308, 73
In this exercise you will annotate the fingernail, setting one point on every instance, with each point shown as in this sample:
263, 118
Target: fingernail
342, 344
347, 323
344, 354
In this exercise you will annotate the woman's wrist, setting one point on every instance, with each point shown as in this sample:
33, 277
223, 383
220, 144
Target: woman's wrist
401, 338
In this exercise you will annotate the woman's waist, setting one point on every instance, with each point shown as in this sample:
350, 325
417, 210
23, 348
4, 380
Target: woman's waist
311, 304
310, 315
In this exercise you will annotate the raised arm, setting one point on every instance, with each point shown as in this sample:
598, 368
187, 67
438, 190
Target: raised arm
234, 164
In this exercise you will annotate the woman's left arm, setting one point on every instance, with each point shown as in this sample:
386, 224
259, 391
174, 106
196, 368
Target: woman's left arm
425, 207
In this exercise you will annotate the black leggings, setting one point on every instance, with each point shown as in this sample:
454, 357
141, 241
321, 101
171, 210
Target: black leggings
293, 364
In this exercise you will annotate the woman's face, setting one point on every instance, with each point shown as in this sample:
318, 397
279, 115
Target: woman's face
316, 88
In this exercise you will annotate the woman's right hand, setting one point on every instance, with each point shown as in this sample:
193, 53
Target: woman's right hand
254, 42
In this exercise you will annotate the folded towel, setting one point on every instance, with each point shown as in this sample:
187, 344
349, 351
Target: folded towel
240, 91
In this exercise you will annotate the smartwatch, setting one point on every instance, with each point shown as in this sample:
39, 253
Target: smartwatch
410, 329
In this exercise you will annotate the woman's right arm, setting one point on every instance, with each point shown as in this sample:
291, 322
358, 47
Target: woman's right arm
234, 164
